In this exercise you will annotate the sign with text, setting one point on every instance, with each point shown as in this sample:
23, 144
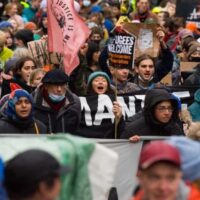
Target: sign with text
147, 41
121, 50
39, 52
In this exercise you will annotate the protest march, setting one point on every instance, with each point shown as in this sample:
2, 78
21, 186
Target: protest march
99, 99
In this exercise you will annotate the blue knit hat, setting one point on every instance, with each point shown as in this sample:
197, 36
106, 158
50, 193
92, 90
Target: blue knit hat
96, 74
13, 99
5, 24
190, 159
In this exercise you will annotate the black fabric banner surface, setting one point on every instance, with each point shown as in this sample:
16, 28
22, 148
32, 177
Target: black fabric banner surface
97, 118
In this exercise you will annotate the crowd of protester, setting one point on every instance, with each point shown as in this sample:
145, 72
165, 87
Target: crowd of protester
45, 100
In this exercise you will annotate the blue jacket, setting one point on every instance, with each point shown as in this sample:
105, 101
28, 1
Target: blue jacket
194, 109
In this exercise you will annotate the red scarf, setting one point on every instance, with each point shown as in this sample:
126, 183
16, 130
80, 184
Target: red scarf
54, 105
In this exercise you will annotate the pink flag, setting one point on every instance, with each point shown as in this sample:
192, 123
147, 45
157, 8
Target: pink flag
67, 32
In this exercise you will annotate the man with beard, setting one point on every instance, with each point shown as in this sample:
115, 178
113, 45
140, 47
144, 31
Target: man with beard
143, 13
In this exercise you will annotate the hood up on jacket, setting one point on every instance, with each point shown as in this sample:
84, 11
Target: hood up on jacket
154, 97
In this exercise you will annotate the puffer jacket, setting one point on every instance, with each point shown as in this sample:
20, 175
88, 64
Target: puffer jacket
147, 125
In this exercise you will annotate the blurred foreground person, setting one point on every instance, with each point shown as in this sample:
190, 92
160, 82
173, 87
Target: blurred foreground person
33, 175
160, 175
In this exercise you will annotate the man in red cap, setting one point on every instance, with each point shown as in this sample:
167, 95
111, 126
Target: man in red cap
160, 175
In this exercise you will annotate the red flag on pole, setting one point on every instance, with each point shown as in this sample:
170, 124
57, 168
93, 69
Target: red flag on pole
67, 32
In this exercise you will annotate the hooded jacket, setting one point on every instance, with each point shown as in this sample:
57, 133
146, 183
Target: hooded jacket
195, 107
65, 120
147, 125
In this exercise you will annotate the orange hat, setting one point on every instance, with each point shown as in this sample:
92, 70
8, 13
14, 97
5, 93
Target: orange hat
30, 26
191, 26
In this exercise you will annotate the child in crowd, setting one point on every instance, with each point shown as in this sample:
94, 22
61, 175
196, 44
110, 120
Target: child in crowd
36, 77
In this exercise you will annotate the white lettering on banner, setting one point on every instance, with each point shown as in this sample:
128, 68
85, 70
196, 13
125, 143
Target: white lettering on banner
86, 108
104, 101
127, 109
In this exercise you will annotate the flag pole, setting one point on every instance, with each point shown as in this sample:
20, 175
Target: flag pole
115, 93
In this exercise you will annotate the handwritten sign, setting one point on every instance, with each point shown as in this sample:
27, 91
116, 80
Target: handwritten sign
39, 52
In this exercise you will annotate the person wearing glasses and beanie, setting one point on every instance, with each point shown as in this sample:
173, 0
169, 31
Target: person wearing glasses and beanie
159, 116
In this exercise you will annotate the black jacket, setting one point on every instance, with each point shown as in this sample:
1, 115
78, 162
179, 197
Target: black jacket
66, 120
194, 78
8, 126
147, 125
162, 67
9, 85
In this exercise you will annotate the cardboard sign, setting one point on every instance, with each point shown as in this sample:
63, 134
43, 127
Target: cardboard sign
121, 50
147, 41
39, 52
188, 66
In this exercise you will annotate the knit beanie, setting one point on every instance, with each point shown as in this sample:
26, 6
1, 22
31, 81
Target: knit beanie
30, 26
5, 24
96, 74
190, 161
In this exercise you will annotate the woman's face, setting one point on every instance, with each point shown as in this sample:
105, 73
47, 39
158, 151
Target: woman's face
37, 79
9, 40
23, 107
13, 10
44, 21
100, 85
26, 70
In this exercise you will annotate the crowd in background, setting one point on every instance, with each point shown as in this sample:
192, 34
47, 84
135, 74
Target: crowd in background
44, 100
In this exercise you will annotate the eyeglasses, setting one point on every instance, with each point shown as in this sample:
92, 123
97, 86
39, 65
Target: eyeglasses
163, 109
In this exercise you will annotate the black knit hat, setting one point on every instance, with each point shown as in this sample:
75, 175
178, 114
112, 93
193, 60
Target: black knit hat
55, 76
25, 35
31, 167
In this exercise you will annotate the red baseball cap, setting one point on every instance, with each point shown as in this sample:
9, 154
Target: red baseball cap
158, 151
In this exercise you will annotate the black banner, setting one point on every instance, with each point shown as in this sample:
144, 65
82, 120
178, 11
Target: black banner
189, 10
97, 117
121, 50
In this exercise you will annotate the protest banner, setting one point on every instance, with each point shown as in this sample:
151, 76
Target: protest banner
189, 10
147, 41
39, 52
97, 116
121, 49
104, 163
92, 165
67, 32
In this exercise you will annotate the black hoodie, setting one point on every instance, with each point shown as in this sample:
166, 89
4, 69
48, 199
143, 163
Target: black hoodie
147, 125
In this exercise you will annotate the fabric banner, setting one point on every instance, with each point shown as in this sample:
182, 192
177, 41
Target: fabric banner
67, 32
121, 49
92, 165
125, 179
104, 163
97, 116
190, 10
